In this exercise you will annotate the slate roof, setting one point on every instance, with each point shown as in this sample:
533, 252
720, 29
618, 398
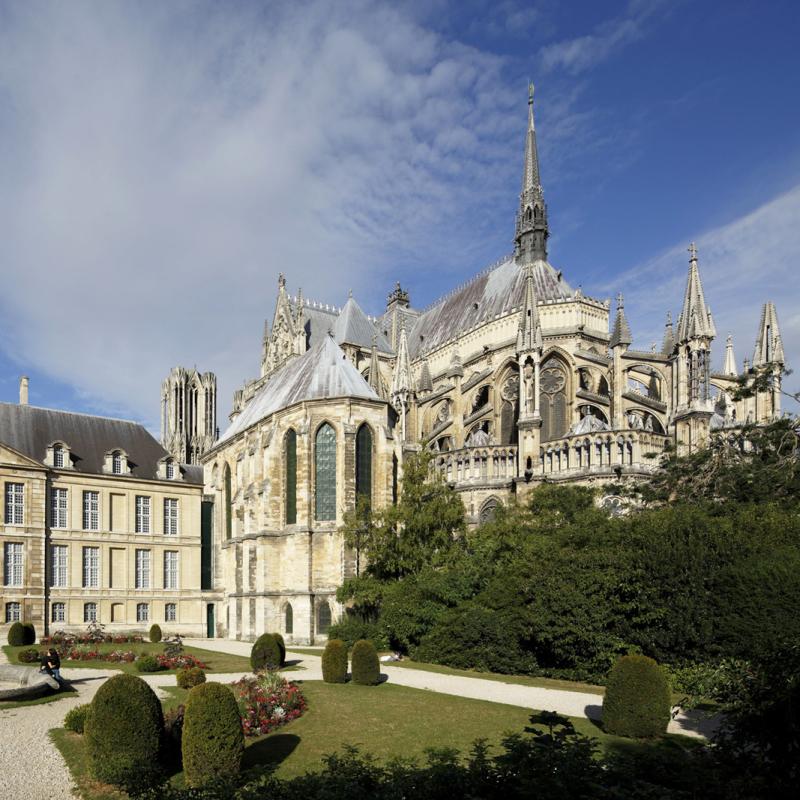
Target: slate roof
30, 430
321, 372
353, 326
493, 292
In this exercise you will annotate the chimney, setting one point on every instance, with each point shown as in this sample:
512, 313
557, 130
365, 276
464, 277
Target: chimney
23, 390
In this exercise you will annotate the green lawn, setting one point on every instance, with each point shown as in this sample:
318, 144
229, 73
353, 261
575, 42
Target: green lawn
217, 662
386, 720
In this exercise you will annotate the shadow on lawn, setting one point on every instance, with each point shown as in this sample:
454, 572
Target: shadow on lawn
270, 752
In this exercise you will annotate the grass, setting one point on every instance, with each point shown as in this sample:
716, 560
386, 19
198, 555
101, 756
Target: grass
66, 691
215, 661
387, 721
72, 748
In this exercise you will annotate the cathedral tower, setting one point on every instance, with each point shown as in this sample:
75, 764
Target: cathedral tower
188, 414
530, 240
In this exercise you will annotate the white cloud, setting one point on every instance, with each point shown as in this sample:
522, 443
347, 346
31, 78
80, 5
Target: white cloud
161, 165
743, 264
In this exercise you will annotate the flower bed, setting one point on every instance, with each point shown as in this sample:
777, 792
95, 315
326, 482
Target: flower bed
266, 702
182, 661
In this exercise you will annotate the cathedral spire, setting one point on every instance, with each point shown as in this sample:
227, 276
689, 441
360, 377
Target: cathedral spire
729, 368
621, 334
530, 240
769, 348
529, 336
374, 368
695, 321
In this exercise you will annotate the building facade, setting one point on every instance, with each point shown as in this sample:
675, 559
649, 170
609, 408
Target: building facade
512, 379
100, 525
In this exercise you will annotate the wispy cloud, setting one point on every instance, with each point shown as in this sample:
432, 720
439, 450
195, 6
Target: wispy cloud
743, 264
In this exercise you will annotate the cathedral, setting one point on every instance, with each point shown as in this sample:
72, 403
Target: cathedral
512, 379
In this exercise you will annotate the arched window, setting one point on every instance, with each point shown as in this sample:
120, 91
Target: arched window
553, 399
325, 473
364, 463
509, 410
291, 480
226, 502
323, 617
288, 619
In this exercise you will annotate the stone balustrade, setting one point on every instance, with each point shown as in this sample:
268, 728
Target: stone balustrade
487, 464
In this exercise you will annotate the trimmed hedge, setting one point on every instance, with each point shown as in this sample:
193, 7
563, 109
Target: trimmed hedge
123, 734
366, 668
155, 634
21, 633
75, 720
190, 677
281, 647
266, 653
637, 702
30, 656
334, 662
147, 664
212, 742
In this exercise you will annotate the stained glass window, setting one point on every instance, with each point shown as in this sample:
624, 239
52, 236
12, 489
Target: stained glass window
291, 477
323, 617
364, 462
226, 508
325, 473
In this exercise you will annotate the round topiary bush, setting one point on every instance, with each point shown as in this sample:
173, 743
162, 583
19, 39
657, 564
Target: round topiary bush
75, 720
212, 743
266, 653
334, 662
281, 647
29, 656
147, 664
190, 677
29, 633
123, 734
365, 665
16, 635
155, 634
637, 700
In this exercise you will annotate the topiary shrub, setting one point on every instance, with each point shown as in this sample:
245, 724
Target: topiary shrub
281, 647
334, 662
365, 665
75, 720
30, 656
123, 734
266, 653
147, 664
190, 677
29, 633
212, 742
155, 634
16, 635
637, 700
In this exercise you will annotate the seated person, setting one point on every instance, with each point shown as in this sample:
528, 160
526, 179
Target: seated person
51, 664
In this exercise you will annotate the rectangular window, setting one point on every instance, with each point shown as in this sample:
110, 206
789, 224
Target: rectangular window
116, 463
14, 503
90, 612
58, 612
91, 567
13, 566
170, 569
171, 612
58, 565
13, 612
142, 514
170, 517
143, 612
91, 511
58, 508
58, 457
142, 569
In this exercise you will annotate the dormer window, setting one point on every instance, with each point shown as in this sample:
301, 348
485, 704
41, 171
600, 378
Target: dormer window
116, 463
58, 456
170, 470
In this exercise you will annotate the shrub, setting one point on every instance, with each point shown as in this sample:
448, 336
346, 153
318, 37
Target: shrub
155, 634
213, 742
281, 647
637, 700
75, 720
266, 653
16, 635
123, 733
190, 677
30, 656
29, 633
350, 628
334, 662
148, 664
365, 667
266, 702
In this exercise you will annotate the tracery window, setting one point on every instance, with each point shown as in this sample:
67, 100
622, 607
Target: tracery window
509, 411
291, 477
325, 473
553, 399
364, 462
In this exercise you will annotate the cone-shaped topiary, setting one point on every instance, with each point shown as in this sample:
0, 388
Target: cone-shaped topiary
29, 633
365, 665
155, 633
123, 734
334, 662
266, 653
213, 742
16, 635
637, 699
281, 647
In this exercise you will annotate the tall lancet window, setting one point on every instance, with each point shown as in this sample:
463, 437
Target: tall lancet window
226, 502
364, 463
291, 477
553, 400
325, 473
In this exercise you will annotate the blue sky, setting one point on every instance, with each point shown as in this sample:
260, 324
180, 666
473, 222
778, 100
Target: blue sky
161, 165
